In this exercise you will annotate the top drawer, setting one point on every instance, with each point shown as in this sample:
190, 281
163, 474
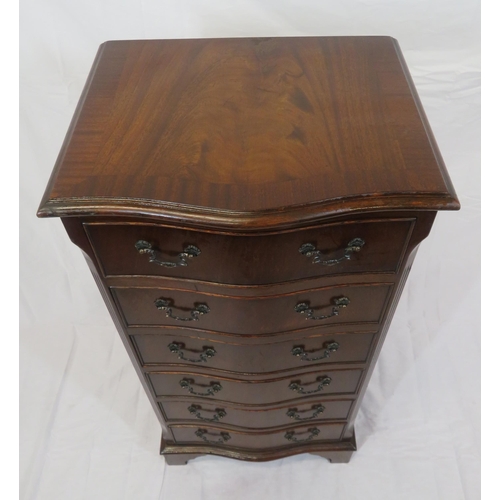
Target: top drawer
341, 248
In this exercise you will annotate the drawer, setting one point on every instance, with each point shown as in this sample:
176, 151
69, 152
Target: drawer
253, 315
256, 417
255, 392
270, 355
252, 259
256, 440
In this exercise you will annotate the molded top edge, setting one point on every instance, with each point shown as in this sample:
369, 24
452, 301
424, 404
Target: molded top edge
288, 217
249, 133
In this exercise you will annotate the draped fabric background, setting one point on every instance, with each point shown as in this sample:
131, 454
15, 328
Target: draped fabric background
87, 430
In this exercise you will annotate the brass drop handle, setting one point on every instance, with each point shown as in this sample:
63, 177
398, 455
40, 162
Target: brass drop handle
177, 348
194, 315
323, 382
211, 390
304, 355
297, 415
144, 247
313, 432
224, 436
195, 410
310, 250
305, 309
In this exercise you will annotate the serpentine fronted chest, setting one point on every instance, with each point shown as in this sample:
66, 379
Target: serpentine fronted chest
250, 209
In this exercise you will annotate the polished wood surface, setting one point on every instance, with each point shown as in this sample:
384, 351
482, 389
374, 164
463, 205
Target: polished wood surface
256, 390
264, 357
252, 316
249, 149
336, 452
224, 129
262, 440
269, 258
256, 418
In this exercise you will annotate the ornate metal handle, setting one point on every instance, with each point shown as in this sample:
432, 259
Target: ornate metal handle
212, 389
208, 352
224, 436
144, 247
195, 410
323, 382
313, 432
303, 308
304, 355
296, 415
165, 305
309, 250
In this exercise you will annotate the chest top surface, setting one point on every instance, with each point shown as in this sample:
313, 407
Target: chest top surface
248, 129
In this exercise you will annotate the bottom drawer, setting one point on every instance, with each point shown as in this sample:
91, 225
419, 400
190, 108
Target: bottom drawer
259, 418
256, 440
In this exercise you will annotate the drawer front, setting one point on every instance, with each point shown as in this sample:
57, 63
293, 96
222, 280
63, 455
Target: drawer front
250, 260
250, 315
203, 412
255, 392
270, 356
256, 440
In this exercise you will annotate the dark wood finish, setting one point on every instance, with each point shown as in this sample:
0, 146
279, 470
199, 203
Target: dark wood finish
255, 391
261, 417
265, 357
251, 260
248, 126
335, 452
249, 149
252, 316
261, 440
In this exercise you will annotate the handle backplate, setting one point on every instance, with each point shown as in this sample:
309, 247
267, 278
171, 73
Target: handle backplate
305, 309
218, 415
210, 391
297, 415
194, 314
323, 382
190, 251
313, 432
177, 348
310, 250
301, 353
224, 437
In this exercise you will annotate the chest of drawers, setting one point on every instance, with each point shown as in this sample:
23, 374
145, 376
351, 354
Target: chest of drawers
250, 210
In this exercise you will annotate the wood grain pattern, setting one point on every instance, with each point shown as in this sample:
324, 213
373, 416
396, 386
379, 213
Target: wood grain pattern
250, 148
256, 418
253, 316
334, 451
257, 390
265, 357
231, 128
252, 260
261, 440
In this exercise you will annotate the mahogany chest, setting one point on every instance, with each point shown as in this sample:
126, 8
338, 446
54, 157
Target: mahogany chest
250, 210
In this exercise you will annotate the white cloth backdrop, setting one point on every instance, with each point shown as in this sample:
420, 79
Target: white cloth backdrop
87, 430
